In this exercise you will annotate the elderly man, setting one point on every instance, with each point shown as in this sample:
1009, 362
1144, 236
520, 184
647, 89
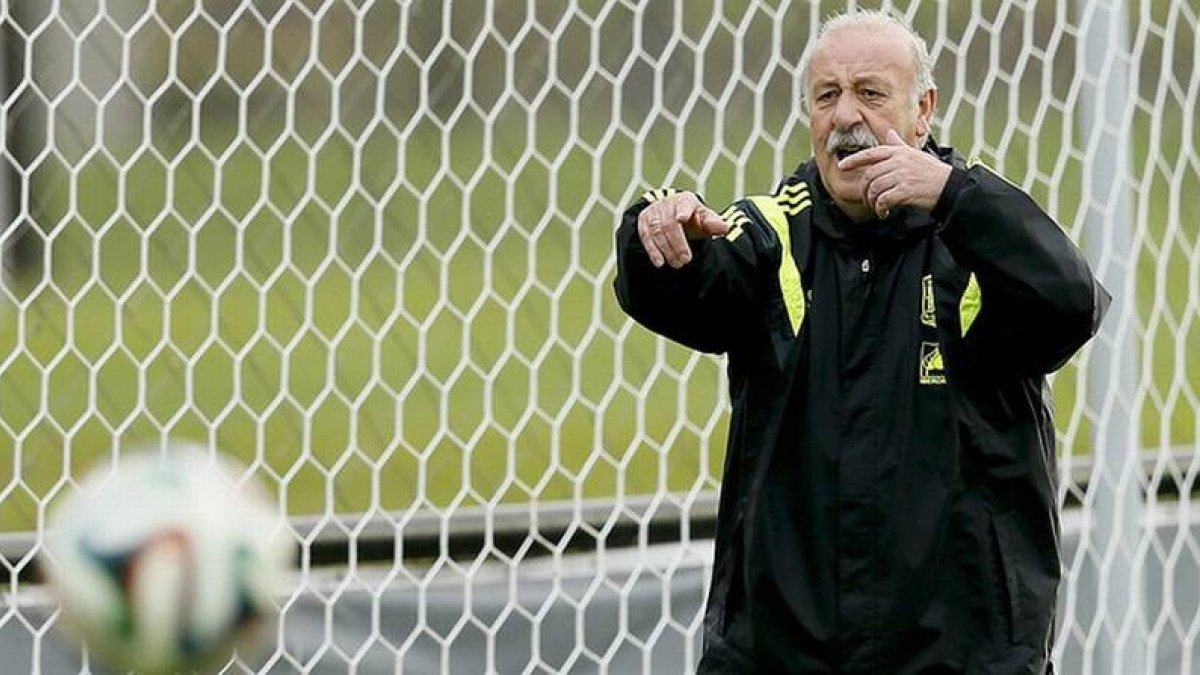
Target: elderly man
889, 315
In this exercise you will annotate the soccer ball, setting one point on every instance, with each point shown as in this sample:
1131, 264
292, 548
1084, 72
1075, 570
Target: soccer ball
165, 563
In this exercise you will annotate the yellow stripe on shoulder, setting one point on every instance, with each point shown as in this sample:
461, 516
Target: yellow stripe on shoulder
791, 285
794, 208
793, 187
793, 198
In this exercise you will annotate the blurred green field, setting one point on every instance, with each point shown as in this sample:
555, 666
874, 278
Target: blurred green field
355, 366
354, 359
421, 316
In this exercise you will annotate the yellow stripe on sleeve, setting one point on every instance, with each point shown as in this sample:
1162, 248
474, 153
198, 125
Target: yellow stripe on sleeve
659, 194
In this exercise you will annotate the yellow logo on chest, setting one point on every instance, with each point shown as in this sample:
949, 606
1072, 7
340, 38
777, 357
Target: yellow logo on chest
933, 371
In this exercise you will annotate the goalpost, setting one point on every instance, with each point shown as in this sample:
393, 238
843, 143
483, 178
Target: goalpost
365, 246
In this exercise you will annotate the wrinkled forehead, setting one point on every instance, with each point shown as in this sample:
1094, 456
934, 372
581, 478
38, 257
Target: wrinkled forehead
852, 53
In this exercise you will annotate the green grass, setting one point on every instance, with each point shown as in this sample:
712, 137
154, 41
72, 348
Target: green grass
425, 319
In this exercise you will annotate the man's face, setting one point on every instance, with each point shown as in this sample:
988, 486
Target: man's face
860, 85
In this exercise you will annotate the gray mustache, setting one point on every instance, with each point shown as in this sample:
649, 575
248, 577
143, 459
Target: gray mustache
856, 137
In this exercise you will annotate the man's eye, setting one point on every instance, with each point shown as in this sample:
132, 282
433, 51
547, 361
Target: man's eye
825, 96
872, 94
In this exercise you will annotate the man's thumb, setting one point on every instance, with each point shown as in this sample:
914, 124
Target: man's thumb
893, 138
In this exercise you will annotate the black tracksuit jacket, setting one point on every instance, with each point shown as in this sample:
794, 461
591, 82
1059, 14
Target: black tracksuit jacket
889, 499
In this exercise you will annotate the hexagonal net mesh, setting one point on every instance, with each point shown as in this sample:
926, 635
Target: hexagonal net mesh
366, 247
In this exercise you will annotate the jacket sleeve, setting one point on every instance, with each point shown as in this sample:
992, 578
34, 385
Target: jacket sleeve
705, 303
1039, 300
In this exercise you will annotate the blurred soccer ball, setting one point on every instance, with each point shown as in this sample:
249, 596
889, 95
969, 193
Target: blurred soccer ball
164, 564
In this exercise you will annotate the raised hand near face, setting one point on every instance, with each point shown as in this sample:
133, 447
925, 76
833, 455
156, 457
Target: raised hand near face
897, 174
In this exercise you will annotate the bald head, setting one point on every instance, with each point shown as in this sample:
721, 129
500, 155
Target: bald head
875, 24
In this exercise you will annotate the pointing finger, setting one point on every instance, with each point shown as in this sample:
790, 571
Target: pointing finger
867, 156
710, 222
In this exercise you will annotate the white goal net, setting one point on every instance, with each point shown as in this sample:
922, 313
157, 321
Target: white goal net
366, 246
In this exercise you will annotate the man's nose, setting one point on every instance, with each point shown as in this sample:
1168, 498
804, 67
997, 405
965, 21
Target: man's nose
846, 114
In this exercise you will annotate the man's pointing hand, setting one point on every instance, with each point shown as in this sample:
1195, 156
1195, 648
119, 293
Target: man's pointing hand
666, 225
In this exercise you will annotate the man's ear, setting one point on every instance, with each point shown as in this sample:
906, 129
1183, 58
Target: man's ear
926, 105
